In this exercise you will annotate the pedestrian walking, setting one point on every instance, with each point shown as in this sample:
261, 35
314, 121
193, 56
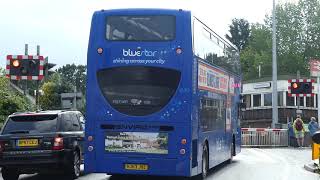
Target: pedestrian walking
313, 126
299, 130
292, 137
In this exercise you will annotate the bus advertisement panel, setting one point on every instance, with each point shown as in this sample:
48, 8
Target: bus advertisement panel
138, 142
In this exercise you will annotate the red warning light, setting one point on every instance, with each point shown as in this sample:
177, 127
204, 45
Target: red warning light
15, 63
295, 85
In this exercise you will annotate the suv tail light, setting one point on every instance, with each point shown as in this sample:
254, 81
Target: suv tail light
58, 143
1, 146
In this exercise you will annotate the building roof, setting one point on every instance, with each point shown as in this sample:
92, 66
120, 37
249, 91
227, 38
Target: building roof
280, 77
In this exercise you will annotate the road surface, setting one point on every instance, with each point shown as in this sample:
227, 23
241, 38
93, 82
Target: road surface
250, 164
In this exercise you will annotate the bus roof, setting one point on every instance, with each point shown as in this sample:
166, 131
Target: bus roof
136, 11
139, 10
225, 40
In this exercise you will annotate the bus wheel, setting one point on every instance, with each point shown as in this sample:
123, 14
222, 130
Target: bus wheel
231, 152
205, 162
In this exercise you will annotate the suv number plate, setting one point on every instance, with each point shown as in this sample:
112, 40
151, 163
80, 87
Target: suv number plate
27, 142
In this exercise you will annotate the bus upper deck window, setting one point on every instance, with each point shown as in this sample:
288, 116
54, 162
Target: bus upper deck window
141, 28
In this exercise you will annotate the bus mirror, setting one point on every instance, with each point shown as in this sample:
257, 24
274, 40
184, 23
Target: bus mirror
316, 137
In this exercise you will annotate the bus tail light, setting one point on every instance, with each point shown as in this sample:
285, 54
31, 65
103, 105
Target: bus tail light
100, 50
58, 143
183, 141
90, 138
178, 50
182, 151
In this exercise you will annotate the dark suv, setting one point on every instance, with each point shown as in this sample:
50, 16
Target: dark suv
43, 142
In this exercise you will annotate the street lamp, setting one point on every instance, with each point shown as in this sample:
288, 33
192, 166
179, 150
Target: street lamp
274, 69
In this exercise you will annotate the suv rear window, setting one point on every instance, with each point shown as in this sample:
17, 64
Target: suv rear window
31, 124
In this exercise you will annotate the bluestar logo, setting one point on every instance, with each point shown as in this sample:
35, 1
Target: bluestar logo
133, 53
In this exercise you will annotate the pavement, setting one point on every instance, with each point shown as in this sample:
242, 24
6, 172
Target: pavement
268, 164
250, 164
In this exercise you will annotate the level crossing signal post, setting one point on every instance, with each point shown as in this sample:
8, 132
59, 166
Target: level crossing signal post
29, 68
300, 88
25, 67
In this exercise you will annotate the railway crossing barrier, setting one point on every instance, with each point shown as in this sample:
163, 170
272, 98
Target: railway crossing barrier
263, 137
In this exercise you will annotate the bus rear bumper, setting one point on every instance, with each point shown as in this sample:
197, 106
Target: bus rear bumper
156, 166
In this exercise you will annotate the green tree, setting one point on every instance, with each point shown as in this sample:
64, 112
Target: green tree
257, 53
62, 86
240, 32
290, 41
11, 101
51, 97
310, 13
63, 81
298, 35
73, 75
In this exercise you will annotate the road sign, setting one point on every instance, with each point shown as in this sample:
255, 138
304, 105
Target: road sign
300, 87
315, 67
24, 67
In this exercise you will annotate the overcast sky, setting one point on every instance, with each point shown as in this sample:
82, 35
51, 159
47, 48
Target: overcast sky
61, 27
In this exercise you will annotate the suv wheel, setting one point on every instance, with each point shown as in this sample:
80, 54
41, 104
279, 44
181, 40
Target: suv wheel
74, 166
9, 174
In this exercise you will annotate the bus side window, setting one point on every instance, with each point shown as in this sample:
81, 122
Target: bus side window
201, 103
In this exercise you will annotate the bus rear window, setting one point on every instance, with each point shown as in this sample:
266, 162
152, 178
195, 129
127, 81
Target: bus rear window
138, 90
141, 28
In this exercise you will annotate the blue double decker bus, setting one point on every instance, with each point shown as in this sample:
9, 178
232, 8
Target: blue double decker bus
162, 94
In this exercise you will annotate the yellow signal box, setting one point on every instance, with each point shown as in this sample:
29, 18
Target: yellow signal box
315, 151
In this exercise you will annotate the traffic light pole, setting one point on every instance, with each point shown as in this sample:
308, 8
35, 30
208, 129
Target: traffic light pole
38, 82
37, 96
26, 81
298, 97
24, 68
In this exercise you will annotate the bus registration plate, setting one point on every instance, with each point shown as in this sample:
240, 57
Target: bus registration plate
140, 167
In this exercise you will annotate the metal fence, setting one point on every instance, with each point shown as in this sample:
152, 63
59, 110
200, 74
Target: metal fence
259, 137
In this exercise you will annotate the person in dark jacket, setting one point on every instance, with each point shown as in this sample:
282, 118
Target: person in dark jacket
313, 126
292, 138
